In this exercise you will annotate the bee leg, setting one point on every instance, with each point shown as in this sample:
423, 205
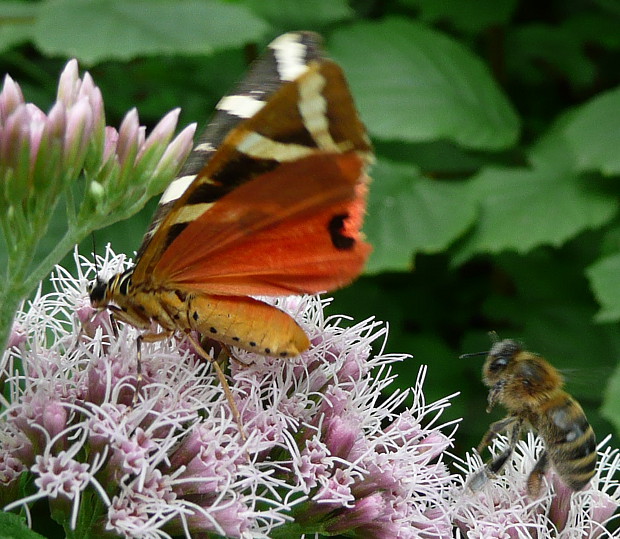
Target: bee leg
495, 429
492, 468
494, 394
515, 431
534, 481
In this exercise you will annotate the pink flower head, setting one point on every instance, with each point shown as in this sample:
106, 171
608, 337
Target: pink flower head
324, 450
500, 506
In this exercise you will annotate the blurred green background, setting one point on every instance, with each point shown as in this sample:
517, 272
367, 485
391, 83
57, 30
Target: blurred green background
496, 123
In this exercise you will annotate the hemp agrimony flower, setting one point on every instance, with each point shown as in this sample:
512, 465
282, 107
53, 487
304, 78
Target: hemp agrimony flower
325, 452
102, 175
502, 507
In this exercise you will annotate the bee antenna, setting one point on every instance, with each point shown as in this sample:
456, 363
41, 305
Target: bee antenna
473, 354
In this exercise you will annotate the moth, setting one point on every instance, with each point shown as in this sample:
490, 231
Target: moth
269, 203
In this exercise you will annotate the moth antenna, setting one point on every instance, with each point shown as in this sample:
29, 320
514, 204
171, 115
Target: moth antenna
97, 268
493, 336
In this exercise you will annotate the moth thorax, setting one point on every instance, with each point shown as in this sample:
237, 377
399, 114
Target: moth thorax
102, 291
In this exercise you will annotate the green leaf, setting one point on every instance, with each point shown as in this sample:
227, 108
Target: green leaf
593, 134
437, 159
293, 14
595, 27
521, 209
539, 48
16, 23
14, 527
408, 214
97, 30
470, 16
603, 277
552, 151
415, 84
583, 139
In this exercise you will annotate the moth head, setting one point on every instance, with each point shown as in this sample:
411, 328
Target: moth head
98, 293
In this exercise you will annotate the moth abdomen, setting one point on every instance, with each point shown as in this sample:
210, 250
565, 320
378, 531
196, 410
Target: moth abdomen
246, 323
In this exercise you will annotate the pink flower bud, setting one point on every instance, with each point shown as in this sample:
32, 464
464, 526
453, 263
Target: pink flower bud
10, 98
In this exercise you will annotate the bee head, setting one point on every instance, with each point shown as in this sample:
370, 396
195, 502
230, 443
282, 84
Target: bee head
498, 359
502, 353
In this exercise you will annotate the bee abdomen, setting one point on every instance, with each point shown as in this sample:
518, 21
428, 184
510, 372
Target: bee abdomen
577, 472
573, 448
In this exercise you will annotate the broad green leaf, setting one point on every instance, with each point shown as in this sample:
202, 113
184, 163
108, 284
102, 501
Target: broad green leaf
437, 159
97, 30
537, 48
593, 133
16, 23
521, 209
14, 527
467, 15
604, 279
552, 151
595, 27
292, 14
194, 82
408, 214
583, 139
415, 84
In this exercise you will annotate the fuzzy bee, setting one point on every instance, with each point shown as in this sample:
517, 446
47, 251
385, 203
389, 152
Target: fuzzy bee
531, 390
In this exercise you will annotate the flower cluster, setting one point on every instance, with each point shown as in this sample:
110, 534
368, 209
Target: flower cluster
40, 153
325, 452
501, 508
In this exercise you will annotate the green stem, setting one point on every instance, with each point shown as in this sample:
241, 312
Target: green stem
12, 289
9, 302
73, 236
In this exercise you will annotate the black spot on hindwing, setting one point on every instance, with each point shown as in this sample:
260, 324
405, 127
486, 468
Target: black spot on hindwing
336, 231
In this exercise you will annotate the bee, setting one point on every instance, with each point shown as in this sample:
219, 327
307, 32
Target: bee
530, 389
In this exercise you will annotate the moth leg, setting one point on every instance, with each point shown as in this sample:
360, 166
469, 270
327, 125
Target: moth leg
226, 353
493, 467
114, 315
220, 375
145, 337
534, 481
